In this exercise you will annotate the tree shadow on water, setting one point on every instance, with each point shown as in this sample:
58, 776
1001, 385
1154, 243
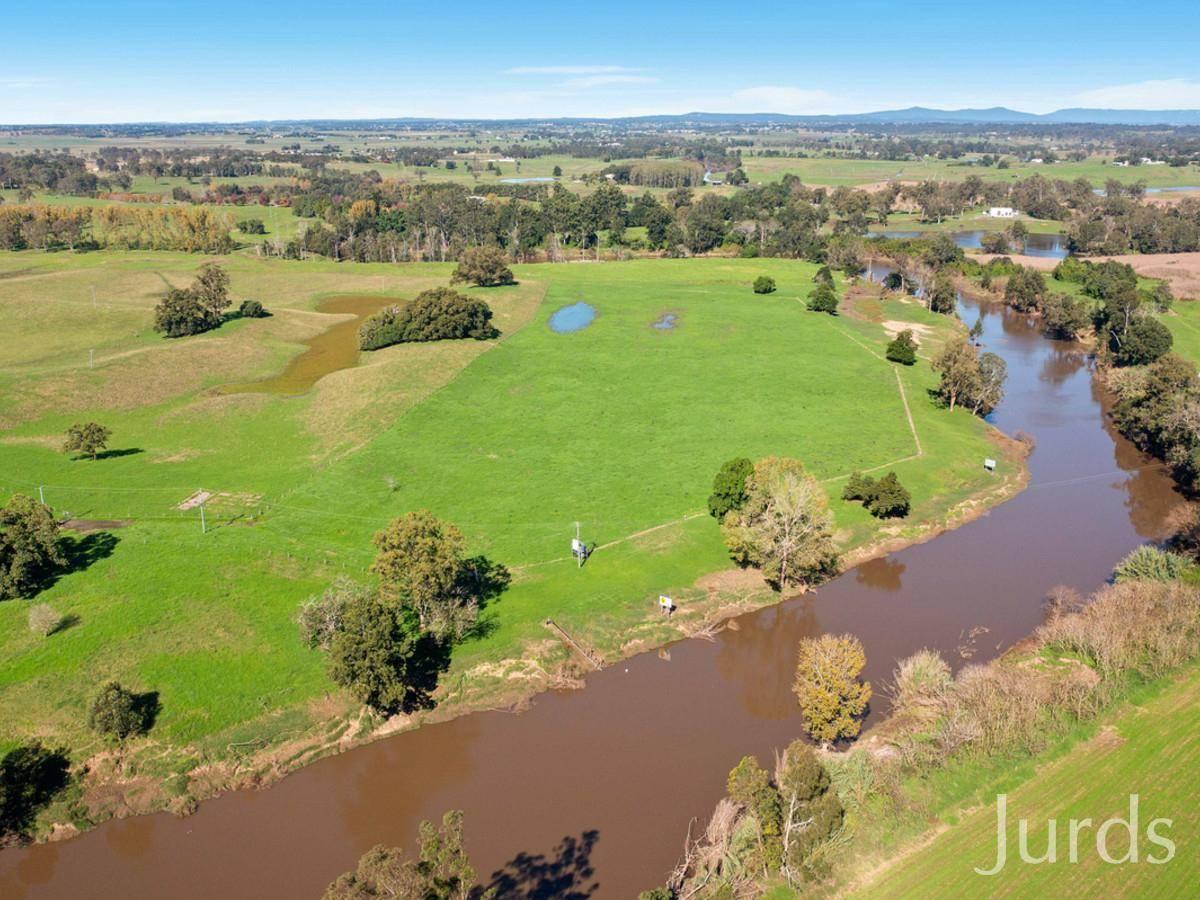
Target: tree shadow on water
565, 874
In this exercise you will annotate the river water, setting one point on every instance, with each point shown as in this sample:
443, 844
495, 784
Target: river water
589, 793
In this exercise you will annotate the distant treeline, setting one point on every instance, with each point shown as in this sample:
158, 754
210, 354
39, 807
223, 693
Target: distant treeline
192, 229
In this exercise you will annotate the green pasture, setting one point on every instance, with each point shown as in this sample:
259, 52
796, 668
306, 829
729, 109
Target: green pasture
1146, 748
619, 426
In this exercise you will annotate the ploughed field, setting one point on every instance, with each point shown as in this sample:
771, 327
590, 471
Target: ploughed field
619, 425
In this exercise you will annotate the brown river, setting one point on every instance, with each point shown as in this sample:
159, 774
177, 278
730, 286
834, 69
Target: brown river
590, 792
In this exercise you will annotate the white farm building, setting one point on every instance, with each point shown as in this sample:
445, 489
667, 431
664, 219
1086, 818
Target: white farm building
1002, 212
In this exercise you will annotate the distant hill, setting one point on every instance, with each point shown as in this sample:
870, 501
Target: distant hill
913, 115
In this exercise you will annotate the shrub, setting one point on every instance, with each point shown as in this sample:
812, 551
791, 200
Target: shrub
434, 315
252, 309
1148, 563
116, 712
884, 498
44, 619
903, 349
823, 299
1025, 290
483, 266
824, 275
252, 226
729, 487
764, 284
921, 682
831, 696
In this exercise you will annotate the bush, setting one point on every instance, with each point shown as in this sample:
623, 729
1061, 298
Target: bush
252, 226
116, 712
903, 349
764, 284
994, 242
434, 315
824, 275
823, 299
921, 682
44, 619
729, 487
884, 498
483, 266
1148, 563
252, 309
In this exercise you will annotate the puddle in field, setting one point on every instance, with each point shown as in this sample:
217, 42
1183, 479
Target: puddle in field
572, 318
333, 349
665, 322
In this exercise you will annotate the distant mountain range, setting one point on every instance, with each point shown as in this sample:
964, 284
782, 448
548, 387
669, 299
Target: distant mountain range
919, 115
914, 115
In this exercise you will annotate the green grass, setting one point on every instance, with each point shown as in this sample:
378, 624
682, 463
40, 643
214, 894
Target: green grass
1147, 748
1184, 322
618, 426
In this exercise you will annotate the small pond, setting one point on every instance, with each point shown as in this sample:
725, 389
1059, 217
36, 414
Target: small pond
665, 322
572, 318
333, 349
543, 179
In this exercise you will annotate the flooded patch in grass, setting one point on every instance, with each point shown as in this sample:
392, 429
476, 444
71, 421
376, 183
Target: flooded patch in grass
572, 318
333, 349
665, 322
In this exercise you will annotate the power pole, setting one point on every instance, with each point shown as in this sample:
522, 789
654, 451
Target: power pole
42, 494
203, 522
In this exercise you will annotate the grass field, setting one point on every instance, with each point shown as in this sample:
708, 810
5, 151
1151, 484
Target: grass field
835, 171
1148, 748
619, 426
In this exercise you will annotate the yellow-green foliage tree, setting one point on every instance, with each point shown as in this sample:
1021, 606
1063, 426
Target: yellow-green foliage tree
832, 697
784, 526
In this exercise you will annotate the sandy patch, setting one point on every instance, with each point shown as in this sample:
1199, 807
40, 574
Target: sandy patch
1180, 270
893, 328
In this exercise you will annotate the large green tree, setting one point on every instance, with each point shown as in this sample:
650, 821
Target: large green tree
30, 547
483, 266
729, 487
377, 653
784, 525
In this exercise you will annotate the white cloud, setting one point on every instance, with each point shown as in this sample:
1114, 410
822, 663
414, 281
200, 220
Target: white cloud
1167, 93
591, 81
568, 70
780, 99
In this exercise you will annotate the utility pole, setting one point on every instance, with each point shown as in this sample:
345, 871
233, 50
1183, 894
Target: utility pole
203, 521
42, 494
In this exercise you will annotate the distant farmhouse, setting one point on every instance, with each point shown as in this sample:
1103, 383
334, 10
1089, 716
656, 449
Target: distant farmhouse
1002, 212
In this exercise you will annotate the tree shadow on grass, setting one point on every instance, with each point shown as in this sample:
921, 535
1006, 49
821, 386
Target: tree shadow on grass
68, 621
82, 552
147, 707
484, 580
117, 454
565, 874
30, 777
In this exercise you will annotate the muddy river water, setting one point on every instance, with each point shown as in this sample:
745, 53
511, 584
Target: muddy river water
589, 793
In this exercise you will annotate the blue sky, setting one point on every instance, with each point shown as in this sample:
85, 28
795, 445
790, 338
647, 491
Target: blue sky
222, 61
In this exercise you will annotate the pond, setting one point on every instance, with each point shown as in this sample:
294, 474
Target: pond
543, 179
1051, 246
333, 349
575, 317
609, 777
665, 322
